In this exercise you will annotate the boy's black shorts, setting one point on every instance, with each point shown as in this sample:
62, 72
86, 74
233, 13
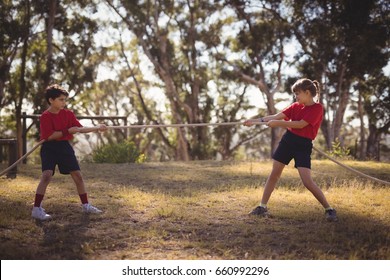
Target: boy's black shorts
58, 153
295, 147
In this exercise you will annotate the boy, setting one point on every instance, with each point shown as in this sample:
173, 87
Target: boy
57, 127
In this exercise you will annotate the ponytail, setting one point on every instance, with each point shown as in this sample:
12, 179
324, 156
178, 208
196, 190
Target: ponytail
317, 86
306, 84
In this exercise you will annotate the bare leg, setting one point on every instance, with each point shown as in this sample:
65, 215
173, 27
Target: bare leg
277, 169
38, 212
307, 180
78, 180
44, 182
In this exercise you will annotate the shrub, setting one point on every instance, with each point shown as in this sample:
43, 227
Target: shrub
118, 153
340, 151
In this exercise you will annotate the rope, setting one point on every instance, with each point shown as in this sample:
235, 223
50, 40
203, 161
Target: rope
202, 124
130, 126
351, 169
177, 125
22, 158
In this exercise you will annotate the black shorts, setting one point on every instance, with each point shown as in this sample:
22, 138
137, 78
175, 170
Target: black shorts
295, 147
58, 153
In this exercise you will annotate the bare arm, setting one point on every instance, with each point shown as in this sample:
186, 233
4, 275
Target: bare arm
54, 136
76, 129
266, 119
278, 116
87, 129
98, 128
287, 124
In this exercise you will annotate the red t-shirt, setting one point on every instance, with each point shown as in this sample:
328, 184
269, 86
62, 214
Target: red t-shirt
50, 123
311, 114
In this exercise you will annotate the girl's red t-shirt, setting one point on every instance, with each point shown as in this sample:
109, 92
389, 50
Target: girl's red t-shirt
50, 123
311, 114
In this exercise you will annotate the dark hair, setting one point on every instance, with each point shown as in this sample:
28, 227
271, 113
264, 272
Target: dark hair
54, 91
306, 84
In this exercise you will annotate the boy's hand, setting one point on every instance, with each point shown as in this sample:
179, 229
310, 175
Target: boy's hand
102, 127
74, 130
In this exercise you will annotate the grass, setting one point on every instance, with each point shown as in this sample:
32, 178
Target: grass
197, 210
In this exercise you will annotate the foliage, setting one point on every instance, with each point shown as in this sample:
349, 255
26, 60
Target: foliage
205, 58
339, 151
341, 42
123, 152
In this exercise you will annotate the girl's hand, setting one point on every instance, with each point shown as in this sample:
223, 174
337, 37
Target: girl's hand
248, 123
272, 123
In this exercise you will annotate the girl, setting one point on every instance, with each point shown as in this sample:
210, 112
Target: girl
302, 120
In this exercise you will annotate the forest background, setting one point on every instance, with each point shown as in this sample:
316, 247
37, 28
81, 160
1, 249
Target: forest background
159, 62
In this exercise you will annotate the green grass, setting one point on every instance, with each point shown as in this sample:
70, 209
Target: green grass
197, 210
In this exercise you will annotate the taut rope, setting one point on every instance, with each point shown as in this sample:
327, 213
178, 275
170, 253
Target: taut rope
125, 127
202, 124
177, 125
350, 168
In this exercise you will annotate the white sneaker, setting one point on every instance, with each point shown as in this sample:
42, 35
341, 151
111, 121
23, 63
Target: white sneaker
40, 214
88, 208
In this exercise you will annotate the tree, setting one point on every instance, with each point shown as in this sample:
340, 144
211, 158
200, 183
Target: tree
376, 96
14, 47
342, 42
30, 42
14, 21
171, 35
206, 57
260, 45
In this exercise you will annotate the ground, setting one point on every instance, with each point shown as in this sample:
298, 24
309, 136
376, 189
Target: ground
197, 210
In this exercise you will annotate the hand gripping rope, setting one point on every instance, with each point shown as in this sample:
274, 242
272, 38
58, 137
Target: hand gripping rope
202, 124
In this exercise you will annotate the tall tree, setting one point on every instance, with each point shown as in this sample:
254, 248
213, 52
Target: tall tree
342, 42
14, 30
43, 32
171, 35
260, 46
14, 46
376, 96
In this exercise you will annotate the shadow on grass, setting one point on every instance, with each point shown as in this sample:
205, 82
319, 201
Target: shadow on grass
64, 237
198, 233
219, 229
184, 179
177, 179
304, 236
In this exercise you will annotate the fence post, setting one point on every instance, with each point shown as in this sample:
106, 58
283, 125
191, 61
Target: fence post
12, 155
24, 135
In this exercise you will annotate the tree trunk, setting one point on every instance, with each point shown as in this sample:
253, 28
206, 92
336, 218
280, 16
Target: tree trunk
361, 146
173, 96
4, 71
22, 82
39, 100
270, 103
276, 131
343, 99
372, 151
49, 40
